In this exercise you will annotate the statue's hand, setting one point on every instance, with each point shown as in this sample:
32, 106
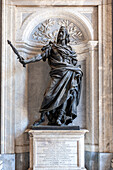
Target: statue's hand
22, 61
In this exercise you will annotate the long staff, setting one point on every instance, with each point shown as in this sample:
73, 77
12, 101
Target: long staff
16, 52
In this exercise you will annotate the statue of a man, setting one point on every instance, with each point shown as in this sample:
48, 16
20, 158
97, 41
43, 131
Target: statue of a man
62, 96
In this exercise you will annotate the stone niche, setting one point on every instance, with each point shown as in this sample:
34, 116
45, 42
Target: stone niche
29, 26
37, 29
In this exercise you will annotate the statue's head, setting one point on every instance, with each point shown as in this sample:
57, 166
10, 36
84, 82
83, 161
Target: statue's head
63, 35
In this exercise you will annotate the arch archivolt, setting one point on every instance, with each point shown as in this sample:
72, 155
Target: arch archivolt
77, 24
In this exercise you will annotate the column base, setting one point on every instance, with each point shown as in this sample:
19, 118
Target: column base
7, 160
98, 161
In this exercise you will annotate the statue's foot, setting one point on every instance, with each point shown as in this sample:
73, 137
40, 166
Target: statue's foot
68, 121
59, 123
55, 123
60, 118
74, 116
37, 123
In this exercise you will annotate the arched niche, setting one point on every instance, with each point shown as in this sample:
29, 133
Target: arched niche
17, 15
19, 89
82, 23
38, 73
35, 77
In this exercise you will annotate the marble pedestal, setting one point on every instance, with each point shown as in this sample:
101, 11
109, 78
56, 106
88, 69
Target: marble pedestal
57, 149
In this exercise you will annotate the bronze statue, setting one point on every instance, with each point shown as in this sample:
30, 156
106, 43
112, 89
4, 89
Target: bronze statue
63, 94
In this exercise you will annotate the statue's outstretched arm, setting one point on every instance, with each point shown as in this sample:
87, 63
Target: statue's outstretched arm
33, 59
22, 60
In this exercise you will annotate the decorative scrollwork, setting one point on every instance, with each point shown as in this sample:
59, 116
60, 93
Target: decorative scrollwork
48, 30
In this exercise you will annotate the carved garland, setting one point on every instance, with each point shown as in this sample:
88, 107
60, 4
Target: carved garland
48, 30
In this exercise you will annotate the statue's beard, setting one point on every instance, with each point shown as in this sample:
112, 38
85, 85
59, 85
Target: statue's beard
60, 39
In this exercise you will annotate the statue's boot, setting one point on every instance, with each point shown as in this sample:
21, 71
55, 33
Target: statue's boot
59, 119
68, 120
41, 120
59, 123
62, 113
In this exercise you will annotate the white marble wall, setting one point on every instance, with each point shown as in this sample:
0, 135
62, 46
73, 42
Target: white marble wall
19, 106
26, 101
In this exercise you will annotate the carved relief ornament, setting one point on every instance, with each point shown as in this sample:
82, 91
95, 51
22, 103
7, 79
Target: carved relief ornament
47, 31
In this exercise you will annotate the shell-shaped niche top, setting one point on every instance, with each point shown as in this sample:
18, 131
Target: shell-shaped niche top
48, 30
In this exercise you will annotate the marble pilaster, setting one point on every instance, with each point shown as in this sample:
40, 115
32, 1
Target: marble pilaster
105, 79
105, 161
92, 97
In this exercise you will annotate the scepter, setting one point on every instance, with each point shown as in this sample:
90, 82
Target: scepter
16, 52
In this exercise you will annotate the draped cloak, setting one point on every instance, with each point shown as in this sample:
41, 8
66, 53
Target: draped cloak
65, 77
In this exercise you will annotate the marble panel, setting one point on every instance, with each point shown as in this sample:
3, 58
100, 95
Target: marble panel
91, 160
105, 161
22, 161
8, 161
98, 161
61, 149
